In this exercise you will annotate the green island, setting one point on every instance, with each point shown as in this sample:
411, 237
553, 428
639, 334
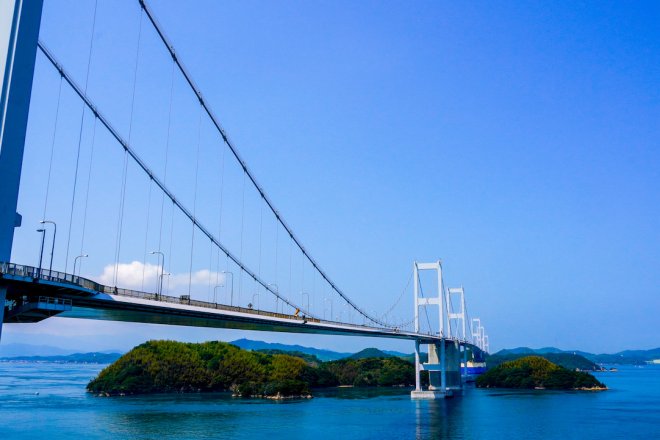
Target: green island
536, 372
176, 367
567, 360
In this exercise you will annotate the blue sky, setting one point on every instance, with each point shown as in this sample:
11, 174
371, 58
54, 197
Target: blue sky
518, 142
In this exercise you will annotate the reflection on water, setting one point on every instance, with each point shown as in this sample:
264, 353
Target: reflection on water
63, 410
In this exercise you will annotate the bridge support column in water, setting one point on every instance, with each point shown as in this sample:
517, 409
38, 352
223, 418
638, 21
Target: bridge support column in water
444, 358
444, 370
19, 33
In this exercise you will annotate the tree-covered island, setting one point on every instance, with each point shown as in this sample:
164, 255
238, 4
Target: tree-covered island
535, 372
176, 367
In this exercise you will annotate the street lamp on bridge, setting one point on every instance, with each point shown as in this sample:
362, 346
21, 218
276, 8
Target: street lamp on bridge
159, 287
75, 260
160, 282
52, 248
41, 250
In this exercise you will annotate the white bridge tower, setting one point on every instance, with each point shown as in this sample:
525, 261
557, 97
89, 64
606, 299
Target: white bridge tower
444, 355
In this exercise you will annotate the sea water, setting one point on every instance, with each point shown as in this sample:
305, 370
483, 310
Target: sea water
48, 400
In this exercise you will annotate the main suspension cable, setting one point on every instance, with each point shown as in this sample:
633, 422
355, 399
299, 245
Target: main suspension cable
243, 164
175, 202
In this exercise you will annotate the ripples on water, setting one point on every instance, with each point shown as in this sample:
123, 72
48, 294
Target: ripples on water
63, 410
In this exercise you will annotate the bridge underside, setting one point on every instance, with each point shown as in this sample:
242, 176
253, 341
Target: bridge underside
32, 300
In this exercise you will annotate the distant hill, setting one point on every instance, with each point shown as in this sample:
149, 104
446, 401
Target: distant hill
76, 358
527, 350
370, 353
398, 353
633, 357
320, 354
12, 350
323, 355
567, 360
17, 349
310, 359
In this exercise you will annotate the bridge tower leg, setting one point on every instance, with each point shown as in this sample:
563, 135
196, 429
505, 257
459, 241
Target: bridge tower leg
19, 33
444, 357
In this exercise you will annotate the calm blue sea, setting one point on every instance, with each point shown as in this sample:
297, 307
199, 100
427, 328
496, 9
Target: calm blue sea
63, 410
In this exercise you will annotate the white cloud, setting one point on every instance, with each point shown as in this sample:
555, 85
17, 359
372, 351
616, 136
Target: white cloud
137, 275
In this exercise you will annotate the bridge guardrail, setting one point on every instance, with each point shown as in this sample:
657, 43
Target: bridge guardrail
90, 285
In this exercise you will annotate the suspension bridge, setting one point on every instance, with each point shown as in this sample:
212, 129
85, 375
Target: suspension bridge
222, 248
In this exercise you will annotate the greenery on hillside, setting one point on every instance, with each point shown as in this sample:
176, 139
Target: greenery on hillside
369, 353
567, 360
310, 359
536, 372
168, 366
391, 371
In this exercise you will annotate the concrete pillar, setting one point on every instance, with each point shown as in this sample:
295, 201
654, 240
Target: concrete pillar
435, 377
452, 365
418, 382
19, 33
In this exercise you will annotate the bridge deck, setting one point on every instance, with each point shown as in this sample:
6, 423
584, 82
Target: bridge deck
91, 300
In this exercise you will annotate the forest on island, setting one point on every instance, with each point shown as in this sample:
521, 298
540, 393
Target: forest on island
168, 366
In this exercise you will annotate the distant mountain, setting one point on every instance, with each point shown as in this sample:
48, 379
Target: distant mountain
648, 355
635, 357
517, 350
370, 353
398, 353
566, 360
76, 358
545, 350
527, 350
11, 350
16, 349
309, 358
323, 355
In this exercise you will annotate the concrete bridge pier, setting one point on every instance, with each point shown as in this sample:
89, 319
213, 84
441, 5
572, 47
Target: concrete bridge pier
444, 367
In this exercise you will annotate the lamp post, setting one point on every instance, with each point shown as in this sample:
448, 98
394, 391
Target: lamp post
159, 287
75, 260
277, 300
52, 248
302, 299
41, 251
231, 298
160, 282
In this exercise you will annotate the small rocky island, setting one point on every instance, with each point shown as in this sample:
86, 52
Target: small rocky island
176, 367
535, 372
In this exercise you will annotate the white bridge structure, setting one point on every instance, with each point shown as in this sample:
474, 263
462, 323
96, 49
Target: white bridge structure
248, 281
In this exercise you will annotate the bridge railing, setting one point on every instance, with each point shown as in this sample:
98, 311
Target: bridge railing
92, 286
48, 275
